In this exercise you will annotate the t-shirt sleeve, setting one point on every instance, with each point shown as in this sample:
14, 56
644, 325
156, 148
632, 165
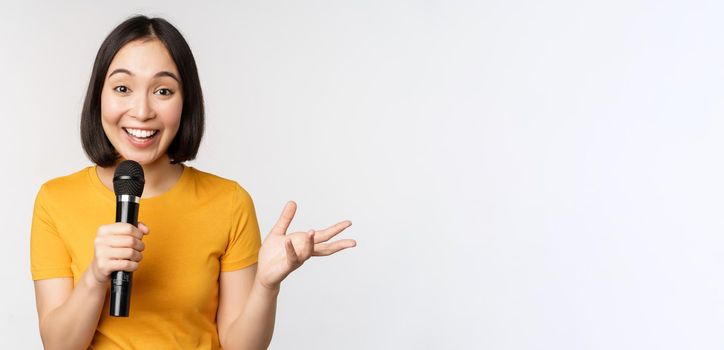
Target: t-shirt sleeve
244, 236
49, 257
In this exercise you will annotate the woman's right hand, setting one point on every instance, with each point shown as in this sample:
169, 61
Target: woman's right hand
118, 247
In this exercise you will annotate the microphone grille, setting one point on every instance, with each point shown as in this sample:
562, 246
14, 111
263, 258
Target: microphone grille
128, 179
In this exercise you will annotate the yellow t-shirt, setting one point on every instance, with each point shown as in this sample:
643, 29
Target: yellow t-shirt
202, 226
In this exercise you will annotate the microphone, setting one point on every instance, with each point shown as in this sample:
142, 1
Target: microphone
128, 185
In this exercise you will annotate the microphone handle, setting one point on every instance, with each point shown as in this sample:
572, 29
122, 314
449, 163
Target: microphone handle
121, 281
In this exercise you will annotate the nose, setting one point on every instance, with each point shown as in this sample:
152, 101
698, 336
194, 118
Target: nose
142, 109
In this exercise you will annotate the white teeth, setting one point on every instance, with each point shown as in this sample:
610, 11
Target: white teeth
141, 133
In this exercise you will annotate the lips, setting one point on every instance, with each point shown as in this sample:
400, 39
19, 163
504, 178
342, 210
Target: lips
140, 133
141, 137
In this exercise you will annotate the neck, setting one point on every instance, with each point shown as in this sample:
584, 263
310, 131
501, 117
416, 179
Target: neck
160, 176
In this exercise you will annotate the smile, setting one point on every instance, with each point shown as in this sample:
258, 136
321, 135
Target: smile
140, 133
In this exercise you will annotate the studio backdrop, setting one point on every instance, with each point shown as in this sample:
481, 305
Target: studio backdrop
520, 174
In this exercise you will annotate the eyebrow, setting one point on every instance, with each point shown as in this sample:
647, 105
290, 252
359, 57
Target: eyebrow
159, 74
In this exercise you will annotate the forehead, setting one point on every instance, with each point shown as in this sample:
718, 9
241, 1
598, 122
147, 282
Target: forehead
143, 57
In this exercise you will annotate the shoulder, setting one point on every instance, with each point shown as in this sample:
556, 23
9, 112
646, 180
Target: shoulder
68, 185
218, 186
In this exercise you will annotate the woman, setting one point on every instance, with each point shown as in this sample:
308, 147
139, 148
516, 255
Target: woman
202, 279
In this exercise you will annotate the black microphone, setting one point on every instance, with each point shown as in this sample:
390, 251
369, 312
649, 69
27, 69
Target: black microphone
128, 185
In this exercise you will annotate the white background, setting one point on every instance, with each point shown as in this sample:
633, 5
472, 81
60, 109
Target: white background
520, 174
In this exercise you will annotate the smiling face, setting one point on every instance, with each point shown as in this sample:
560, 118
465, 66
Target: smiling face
141, 101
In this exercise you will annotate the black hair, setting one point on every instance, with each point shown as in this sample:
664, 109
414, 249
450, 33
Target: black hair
186, 143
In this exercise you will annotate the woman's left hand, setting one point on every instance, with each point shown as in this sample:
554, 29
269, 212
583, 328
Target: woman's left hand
282, 253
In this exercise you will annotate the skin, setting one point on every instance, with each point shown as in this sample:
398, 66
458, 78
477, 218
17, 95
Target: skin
142, 90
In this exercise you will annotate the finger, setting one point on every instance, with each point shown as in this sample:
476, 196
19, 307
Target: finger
121, 228
292, 257
125, 254
118, 228
280, 228
122, 265
143, 228
326, 234
125, 241
308, 249
325, 249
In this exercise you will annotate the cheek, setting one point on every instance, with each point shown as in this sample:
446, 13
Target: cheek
107, 119
111, 109
172, 115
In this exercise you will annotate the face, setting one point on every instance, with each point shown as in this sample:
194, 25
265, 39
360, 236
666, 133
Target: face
141, 101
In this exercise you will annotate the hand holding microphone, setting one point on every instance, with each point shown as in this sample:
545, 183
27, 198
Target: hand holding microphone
118, 247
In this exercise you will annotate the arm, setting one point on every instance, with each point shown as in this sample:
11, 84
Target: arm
248, 297
247, 310
67, 316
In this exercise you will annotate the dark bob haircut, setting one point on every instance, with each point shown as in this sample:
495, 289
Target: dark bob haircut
186, 143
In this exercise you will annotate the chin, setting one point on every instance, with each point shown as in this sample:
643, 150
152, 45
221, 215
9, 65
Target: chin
142, 159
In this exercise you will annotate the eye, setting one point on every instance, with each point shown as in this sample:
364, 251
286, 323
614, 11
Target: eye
121, 89
164, 92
